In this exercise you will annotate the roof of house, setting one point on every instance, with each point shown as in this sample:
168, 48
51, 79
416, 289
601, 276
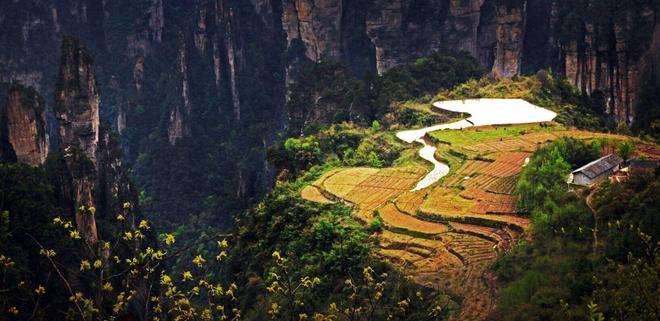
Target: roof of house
599, 166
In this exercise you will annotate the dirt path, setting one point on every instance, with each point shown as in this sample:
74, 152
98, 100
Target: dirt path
589, 201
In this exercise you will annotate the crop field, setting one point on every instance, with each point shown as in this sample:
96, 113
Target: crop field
340, 183
445, 200
369, 188
312, 193
490, 202
506, 164
511, 144
504, 185
488, 133
469, 168
449, 233
394, 219
409, 202
478, 181
484, 219
485, 232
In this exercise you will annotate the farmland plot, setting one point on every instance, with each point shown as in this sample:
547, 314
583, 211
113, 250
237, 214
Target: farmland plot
369, 188
396, 220
409, 202
504, 185
312, 193
506, 164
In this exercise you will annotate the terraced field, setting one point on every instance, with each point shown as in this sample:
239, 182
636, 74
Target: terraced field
447, 235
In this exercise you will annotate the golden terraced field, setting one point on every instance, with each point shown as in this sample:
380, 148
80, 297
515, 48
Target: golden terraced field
447, 235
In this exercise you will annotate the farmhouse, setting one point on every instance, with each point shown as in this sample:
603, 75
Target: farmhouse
596, 171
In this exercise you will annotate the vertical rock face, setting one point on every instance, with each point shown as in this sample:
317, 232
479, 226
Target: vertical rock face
381, 34
94, 174
77, 100
178, 126
26, 125
232, 59
77, 112
238, 54
398, 29
156, 20
602, 49
596, 44
509, 35
317, 23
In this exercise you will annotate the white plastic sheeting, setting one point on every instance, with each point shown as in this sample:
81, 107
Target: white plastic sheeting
482, 112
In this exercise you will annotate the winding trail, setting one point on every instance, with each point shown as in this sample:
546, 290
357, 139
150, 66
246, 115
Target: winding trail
482, 112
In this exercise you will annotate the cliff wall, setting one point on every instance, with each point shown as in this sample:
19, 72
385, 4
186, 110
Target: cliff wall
597, 44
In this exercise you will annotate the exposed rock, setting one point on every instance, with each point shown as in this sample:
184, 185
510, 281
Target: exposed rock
509, 37
77, 100
114, 187
233, 60
178, 125
138, 73
26, 125
200, 33
510, 33
385, 33
121, 119
93, 174
217, 65
608, 54
317, 23
156, 20
82, 175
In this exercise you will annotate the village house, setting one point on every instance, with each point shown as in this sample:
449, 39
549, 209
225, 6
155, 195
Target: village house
596, 171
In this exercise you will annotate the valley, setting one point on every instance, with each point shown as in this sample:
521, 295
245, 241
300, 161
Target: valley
327, 160
446, 226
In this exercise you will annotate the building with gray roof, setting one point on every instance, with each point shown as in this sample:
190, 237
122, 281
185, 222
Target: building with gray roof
596, 171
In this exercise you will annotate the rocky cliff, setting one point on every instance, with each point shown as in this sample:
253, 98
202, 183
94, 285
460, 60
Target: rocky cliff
25, 125
93, 176
205, 77
596, 44
197, 88
77, 100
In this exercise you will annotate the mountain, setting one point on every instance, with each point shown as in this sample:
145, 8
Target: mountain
246, 160
205, 82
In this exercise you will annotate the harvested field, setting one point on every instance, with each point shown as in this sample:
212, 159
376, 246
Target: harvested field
448, 233
480, 219
409, 202
511, 144
504, 185
504, 206
484, 232
506, 164
437, 257
479, 181
369, 188
473, 249
342, 182
445, 200
490, 203
396, 220
312, 193
469, 168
